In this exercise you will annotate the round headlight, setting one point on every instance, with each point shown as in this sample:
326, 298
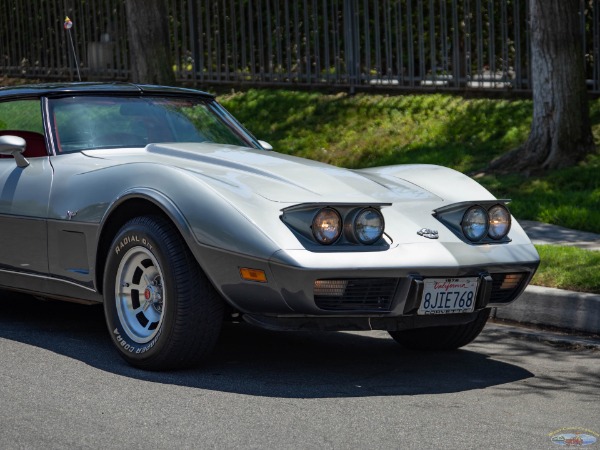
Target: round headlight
499, 222
368, 226
475, 223
327, 226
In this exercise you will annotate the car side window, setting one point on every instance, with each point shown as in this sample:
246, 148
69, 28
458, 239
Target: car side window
23, 115
23, 118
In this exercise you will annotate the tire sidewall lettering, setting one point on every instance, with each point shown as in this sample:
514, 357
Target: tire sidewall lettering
132, 347
131, 240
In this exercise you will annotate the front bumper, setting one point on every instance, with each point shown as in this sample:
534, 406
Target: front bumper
289, 293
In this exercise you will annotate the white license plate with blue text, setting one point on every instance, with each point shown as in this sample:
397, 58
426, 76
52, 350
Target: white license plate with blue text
448, 296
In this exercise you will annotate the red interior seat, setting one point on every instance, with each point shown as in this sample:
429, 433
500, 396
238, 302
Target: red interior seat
35, 142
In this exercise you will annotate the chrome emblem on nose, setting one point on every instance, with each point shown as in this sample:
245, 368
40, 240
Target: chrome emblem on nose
429, 234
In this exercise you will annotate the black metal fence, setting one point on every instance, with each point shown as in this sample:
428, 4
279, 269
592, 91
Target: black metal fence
396, 44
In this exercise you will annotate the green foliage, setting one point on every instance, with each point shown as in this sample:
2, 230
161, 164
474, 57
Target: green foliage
568, 268
374, 130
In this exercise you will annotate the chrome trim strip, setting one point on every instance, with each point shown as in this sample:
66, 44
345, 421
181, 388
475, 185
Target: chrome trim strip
45, 277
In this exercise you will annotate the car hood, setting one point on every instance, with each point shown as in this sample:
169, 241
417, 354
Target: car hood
276, 177
259, 184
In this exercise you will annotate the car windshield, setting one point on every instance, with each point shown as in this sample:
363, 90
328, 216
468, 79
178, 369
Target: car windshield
83, 123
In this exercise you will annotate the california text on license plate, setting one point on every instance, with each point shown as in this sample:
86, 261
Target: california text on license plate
448, 296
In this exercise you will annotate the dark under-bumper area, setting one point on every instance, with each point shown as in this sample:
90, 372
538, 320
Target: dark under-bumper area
354, 323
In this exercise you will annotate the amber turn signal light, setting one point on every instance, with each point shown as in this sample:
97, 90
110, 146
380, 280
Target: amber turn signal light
253, 275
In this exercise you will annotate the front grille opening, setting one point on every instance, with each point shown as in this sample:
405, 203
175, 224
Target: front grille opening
330, 288
360, 294
506, 286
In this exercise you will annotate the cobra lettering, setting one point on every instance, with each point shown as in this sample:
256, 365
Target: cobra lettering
129, 239
130, 348
122, 343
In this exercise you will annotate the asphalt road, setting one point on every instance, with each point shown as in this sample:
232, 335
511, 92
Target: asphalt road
63, 386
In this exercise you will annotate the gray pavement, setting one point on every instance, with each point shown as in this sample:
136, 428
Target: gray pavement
63, 386
556, 308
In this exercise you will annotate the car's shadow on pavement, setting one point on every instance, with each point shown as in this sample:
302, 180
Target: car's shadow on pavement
252, 361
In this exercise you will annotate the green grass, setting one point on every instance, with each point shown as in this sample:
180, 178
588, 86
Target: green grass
568, 268
375, 130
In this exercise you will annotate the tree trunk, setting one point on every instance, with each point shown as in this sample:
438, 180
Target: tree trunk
149, 48
561, 133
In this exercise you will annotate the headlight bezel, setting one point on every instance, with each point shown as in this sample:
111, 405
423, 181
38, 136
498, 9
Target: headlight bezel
300, 219
453, 217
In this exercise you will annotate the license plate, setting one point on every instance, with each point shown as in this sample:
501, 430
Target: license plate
448, 296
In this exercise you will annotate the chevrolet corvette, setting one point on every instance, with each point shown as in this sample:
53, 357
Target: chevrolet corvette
156, 202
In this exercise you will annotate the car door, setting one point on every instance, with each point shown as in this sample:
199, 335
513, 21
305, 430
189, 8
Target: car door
23, 211
24, 194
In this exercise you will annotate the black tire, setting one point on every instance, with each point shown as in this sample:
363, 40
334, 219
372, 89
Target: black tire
161, 310
442, 338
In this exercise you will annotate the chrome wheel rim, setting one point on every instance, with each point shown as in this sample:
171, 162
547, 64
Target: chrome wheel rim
139, 295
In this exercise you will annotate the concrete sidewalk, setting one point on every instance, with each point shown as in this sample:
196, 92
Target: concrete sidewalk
543, 233
568, 310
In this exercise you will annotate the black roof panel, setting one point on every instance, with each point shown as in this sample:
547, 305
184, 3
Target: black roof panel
94, 88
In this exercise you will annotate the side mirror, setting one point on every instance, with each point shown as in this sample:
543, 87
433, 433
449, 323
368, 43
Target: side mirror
14, 146
265, 145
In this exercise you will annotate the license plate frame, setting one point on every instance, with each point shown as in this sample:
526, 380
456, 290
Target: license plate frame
448, 296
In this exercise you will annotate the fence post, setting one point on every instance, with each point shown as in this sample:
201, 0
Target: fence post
351, 44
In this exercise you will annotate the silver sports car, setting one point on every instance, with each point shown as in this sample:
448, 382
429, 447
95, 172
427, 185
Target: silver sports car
157, 203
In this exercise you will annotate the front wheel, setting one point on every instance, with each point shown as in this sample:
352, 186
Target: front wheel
442, 338
161, 310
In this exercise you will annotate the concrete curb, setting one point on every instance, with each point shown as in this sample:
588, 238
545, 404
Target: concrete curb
568, 310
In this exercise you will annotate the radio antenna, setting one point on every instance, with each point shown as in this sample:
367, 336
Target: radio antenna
68, 25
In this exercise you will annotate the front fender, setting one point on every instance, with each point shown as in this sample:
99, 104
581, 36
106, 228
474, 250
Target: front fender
204, 217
